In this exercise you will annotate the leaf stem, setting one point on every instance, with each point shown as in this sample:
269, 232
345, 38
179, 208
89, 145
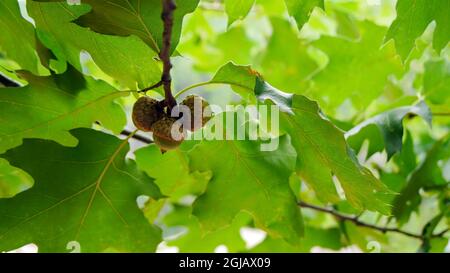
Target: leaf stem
208, 83
156, 85
356, 221
191, 87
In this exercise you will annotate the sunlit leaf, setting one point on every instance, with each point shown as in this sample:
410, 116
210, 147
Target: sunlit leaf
413, 17
237, 9
301, 9
50, 106
128, 59
357, 70
19, 48
171, 172
437, 81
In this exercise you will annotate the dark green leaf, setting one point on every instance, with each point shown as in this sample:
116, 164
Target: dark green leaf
387, 129
135, 17
248, 179
323, 152
85, 194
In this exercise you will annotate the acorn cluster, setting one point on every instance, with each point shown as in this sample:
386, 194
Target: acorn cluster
168, 133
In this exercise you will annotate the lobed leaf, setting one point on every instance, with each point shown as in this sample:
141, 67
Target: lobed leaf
385, 131
85, 194
127, 59
237, 9
48, 107
19, 48
413, 17
250, 180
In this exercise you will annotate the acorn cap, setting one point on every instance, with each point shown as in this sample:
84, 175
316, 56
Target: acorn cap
162, 134
190, 102
146, 111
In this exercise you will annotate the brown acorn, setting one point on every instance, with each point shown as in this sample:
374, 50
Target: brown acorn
162, 133
146, 111
197, 106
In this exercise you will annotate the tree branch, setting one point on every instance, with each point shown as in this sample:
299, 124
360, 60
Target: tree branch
357, 222
137, 137
156, 85
167, 17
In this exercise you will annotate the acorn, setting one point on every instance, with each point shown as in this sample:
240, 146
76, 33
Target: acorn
197, 106
146, 111
167, 133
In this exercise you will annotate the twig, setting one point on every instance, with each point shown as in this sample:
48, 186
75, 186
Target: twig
167, 17
126, 132
357, 222
137, 137
156, 85
442, 233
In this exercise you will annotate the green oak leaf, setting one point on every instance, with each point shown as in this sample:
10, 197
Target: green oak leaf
385, 130
50, 106
193, 239
237, 9
413, 17
85, 194
12, 180
429, 244
8, 74
428, 175
286, 63
242, 79
248, 179
302, 9
171, 172
321, 147
235, 75
323, 152
249, 84
127, 59
19, 47
133, 17
357, 70
436, 81
264, 91
406, 163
